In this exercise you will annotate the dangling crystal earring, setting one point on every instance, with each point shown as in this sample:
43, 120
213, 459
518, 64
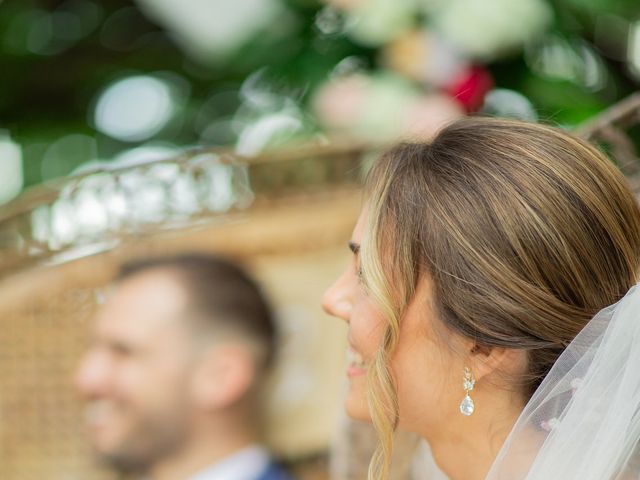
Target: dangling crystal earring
467, 406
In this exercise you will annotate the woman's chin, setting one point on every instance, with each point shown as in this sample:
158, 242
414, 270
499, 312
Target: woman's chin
356, 406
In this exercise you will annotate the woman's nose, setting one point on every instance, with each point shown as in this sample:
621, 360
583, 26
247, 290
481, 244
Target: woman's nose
336, 300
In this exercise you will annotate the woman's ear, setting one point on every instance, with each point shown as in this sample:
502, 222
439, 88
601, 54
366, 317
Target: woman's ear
225, 375
483, 360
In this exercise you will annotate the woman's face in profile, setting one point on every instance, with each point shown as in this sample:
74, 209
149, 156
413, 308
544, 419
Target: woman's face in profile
428, 375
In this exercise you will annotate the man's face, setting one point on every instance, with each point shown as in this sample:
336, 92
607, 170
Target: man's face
136, 376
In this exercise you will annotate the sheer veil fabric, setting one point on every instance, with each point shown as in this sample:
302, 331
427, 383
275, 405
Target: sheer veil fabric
583, 422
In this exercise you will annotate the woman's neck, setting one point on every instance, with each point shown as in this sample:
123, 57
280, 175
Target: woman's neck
467, 448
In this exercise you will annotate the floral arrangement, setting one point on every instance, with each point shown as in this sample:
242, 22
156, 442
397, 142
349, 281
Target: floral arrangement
89, 83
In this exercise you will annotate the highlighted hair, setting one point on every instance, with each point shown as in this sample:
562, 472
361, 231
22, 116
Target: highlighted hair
526, 232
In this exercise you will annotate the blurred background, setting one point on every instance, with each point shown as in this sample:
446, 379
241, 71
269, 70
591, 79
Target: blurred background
86, 83
241, 128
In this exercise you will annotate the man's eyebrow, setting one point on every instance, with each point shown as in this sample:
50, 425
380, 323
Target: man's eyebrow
354, 247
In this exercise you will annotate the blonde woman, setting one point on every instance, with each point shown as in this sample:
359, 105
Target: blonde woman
480, 263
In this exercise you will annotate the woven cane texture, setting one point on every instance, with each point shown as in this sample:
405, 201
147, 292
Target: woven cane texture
295, 250
40, 424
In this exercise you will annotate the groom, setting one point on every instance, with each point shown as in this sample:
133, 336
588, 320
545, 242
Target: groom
171, 381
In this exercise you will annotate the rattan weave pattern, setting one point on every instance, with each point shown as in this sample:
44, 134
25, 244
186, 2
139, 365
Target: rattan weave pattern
40, 428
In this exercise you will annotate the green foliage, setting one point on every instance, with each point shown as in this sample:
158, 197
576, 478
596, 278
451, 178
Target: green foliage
58, 56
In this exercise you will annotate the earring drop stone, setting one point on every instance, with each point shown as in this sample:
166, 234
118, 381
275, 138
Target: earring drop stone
467, 406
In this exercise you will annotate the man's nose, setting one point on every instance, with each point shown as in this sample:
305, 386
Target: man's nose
92, 376
336, 300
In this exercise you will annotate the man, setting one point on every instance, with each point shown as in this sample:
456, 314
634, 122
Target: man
171, 380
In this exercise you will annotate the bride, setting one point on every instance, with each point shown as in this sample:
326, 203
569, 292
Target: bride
480, 263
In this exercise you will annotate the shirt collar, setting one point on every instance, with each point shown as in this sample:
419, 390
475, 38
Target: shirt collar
246, 464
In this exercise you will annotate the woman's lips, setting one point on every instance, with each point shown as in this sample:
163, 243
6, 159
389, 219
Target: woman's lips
356, 365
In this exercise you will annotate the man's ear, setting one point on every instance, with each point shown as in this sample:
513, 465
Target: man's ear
223, 377
484, 360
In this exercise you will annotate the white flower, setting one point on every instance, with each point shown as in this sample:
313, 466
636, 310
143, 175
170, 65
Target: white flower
382, 107
485, 29
368, 107
376, 22
212, 29
384, 113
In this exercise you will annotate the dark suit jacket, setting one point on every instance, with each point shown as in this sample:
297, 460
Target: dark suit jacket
274, 472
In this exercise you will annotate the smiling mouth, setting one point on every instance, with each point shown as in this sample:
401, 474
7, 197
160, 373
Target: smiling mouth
356, 364
98, 414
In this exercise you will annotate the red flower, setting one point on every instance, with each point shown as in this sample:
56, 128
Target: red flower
470, 88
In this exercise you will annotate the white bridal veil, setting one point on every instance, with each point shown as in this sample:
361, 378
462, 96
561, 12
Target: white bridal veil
583, 422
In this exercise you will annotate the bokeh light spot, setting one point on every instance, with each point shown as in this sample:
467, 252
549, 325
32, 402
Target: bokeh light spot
11, 175
134, 108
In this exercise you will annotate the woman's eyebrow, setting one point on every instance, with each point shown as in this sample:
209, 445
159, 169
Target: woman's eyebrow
354, 247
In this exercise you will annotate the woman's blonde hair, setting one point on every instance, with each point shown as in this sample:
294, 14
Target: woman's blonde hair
525, 231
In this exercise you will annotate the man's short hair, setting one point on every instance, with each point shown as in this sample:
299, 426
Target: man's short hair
220, 295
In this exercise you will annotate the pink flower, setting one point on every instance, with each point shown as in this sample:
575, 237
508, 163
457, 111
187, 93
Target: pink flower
550, 424
339, 103
429, 114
